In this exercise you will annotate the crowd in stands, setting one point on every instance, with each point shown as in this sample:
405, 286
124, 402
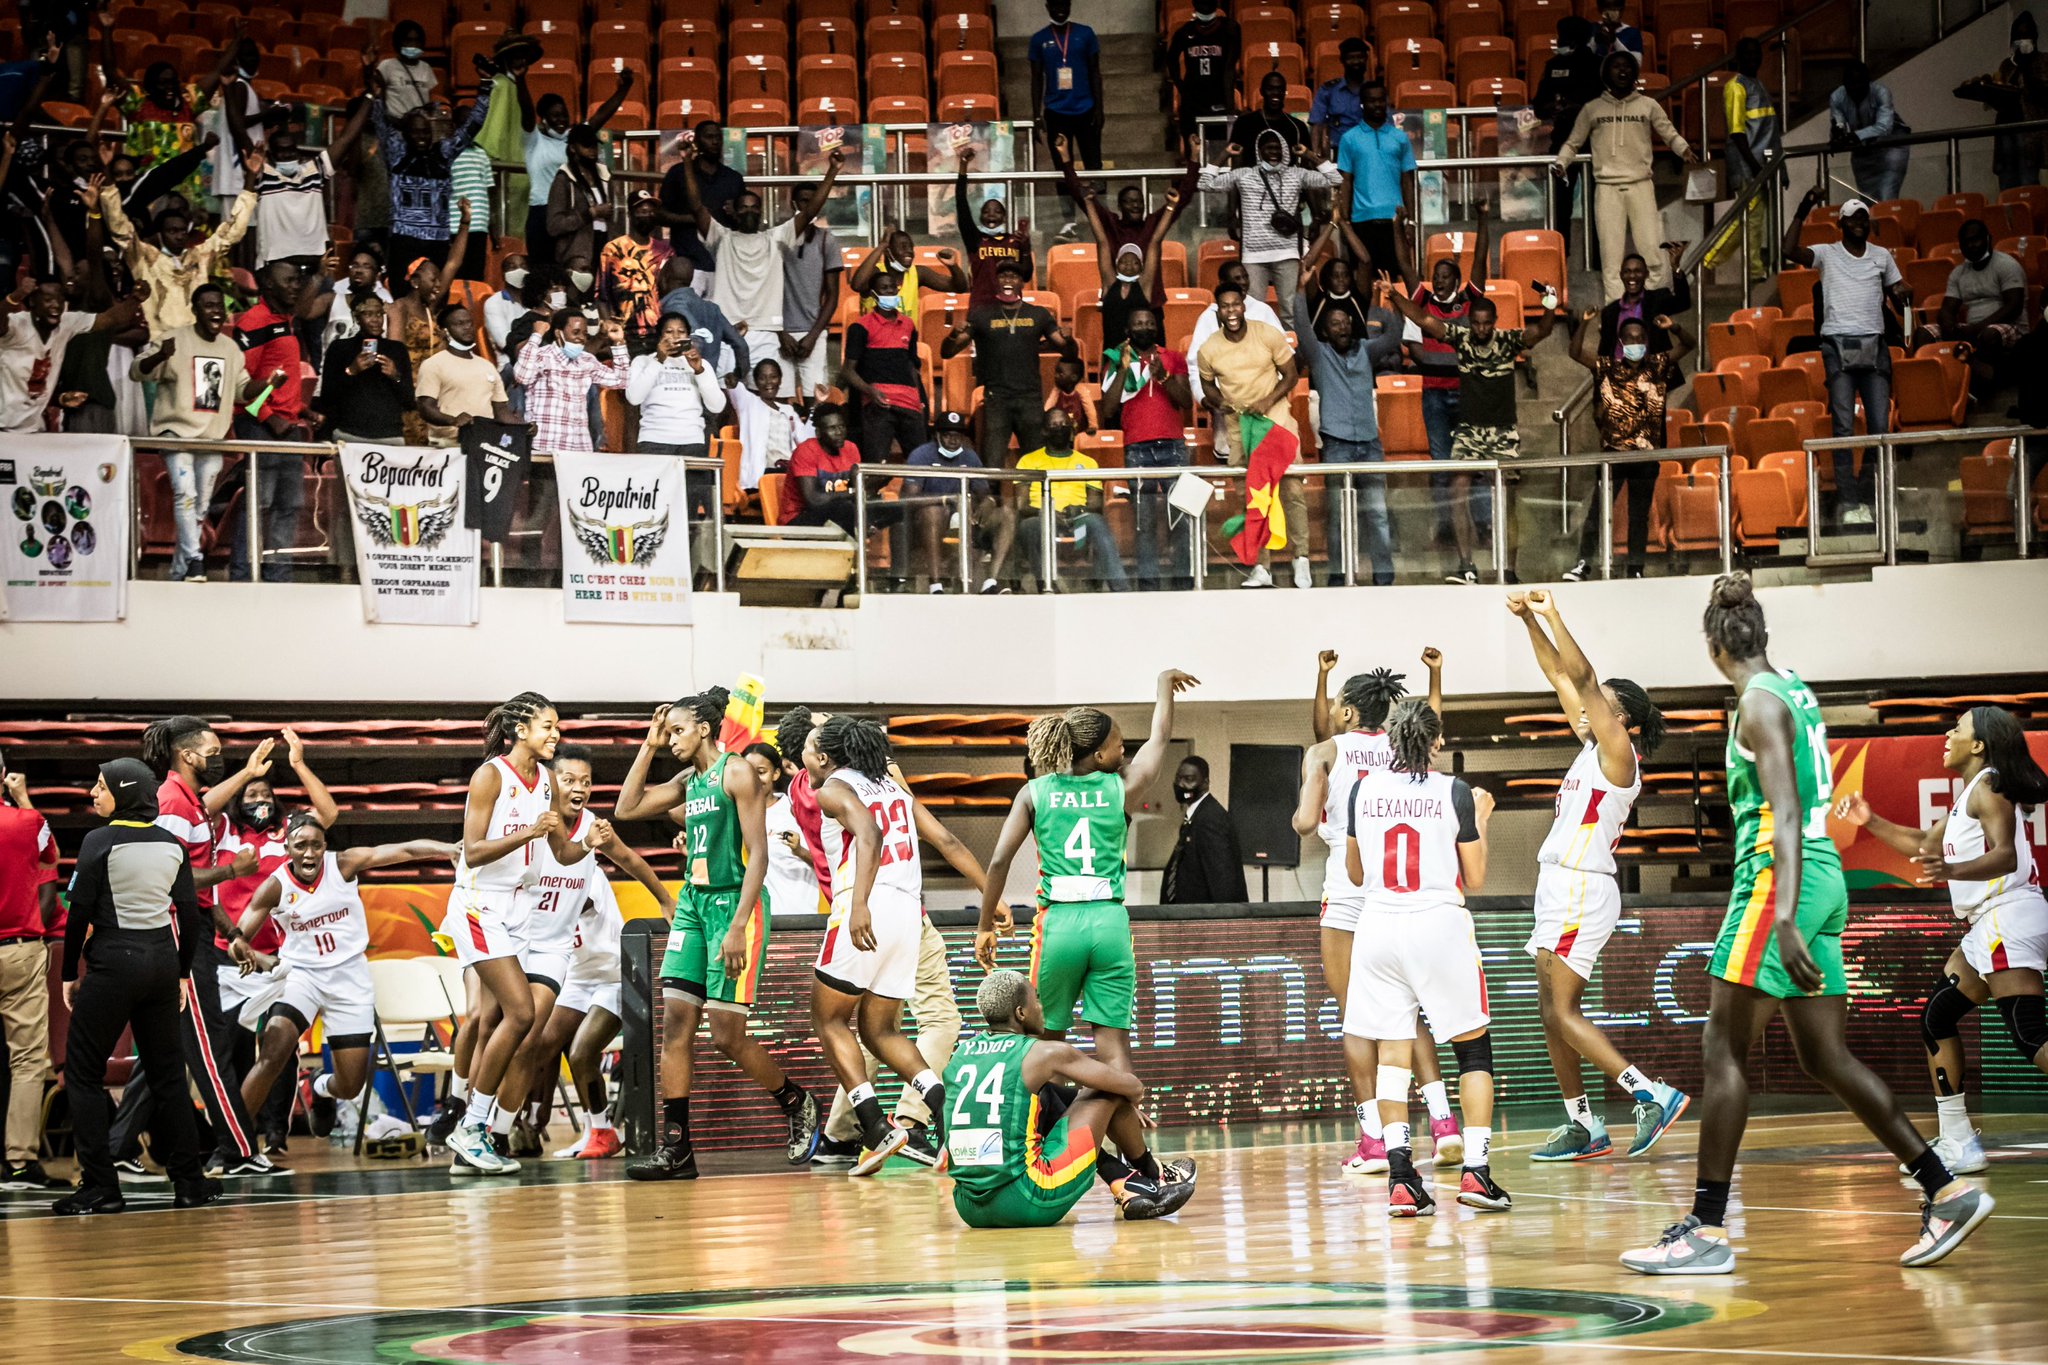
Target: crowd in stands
216, 254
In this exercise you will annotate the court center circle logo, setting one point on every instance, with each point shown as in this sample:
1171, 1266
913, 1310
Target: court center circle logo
1250, 1323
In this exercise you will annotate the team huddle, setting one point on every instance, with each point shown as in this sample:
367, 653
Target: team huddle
1019, 1117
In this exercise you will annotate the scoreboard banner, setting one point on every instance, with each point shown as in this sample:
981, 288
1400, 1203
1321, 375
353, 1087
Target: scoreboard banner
1902, 778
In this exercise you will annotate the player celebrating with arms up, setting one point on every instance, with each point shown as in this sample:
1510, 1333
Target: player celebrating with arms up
1075, 810
720, 938
1578, 902
1781, 948
1981, 849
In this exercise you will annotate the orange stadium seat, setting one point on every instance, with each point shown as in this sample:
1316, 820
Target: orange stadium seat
968, 73
757, 114
1493, 92
1472, 19
1763, 435
687, 78
1393, 20
966, 108
626, 38
757, 77
2034, 198
1331, 23
551, 77
1795, 288
1924, 397
1409, 59
686, 113
2031, 252
964, 32
1763, 506
894, 33
1725, 339
1259, 24
828, 75
556, 40
826, 110
1987, 496
1749, 367
1209, 258
1402, 431
1282, 57
1532, 255
689, 38
778, 10
1792, 464
1425, 94
899, 109
766, 37
1483, 57
897, 74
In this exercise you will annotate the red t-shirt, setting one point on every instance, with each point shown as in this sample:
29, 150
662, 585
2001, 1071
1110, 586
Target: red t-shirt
179, 810
1148, 414
883, 351
269, 343
1440, 352
28, 862
803, 804
811, 459
236, 893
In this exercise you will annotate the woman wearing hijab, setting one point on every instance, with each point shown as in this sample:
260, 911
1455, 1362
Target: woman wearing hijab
135, 921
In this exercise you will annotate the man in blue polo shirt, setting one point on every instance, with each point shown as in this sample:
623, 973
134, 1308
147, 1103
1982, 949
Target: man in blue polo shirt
1066, 93
1339, 102
995, 522
1378, 165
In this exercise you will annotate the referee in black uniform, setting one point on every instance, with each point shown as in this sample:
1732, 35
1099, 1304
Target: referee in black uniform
135, 919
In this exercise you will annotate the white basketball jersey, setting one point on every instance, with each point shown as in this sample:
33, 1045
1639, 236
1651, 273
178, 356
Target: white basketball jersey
1358, 752
897, 867
1963, 839
1407, 831
594, 952
1590, 813
553, 897
324, 924
518, 806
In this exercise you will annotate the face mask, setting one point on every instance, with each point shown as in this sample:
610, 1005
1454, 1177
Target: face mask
459, 348
950, 452
558, 299
582, 279
1634, 351
1061, 440
572, 349
2023, 47
412, 54
1122, 278
1337, 294
888, 303
259, 815
749, 222
903, 266
214, 768
1145, 339
1205, 15
288, 168
515, 279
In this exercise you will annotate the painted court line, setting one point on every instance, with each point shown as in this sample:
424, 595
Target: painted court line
1741, 1207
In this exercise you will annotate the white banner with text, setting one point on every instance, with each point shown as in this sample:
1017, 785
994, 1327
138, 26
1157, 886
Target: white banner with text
418, 564
66, 556
625, 539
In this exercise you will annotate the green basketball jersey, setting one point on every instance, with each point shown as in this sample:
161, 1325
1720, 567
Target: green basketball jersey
1078, 823
1755, 821
717, 854
988, 1112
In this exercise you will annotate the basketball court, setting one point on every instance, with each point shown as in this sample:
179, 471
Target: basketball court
1279, 1258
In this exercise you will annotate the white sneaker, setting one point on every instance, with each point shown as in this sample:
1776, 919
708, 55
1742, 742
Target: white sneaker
937, 589
1963, 1156
470, 1146
1303, 578
1257, 578
989, 587
574, 1149
1858, 516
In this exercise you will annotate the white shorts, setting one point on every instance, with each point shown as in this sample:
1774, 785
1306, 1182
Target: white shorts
237, 990
1341, 912
1575, 915
584, 996
810, 372
890, 970
485, 924
341, 995
1405, 960
549, 967
2013, 933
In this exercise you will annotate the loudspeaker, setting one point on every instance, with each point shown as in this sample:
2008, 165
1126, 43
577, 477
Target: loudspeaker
1265, 783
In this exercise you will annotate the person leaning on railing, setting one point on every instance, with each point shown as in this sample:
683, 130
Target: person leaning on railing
1859, 112
1076, 507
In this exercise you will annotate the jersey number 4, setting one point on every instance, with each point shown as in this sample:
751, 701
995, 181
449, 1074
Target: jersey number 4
1401, 867
1080, 848
894, 823
988, 1096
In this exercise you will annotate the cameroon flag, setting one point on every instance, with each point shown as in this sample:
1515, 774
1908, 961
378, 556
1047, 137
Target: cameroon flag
405, 526
1269, 449
744, 713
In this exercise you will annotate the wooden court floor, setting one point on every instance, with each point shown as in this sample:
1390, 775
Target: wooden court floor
1279, 1258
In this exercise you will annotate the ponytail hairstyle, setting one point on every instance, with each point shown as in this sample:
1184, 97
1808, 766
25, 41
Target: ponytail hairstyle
1639, 713
1054, 742
855, 742
2014, 773
161, 741
1413, 730
501, 726
1372, 695
791, 732
1735, 619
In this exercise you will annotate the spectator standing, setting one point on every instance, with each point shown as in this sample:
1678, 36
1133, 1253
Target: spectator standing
421, 177
1145, 393
1233, 275
1860, 112
469, 177
1130, 225
629, 272
38, 331
161, 116
558, 373
1378, 167
291, 188
1066, 94
1341, 363
1248, 128
1640, 303
1856, 275
1205, 867
29, 915
1464, 509
232, 124
1629, 398
200, 382
1202, 60
409, 82
2016, 92
179, 261
988, 243
677, 394
366, 381
1007, 334
811, 267
506, 306
456, 385
414, 317
1129, 275
579, 203
1327, 280
1985, 305
1570, 78
1269, 194
937, 502
717, 186
269, 340
546, 124
1617, 126
747, 283
1076, 508
1339, 104
1754, 137
770, 429
363, 279
878, 365
1247, 368
898, 254
718, 341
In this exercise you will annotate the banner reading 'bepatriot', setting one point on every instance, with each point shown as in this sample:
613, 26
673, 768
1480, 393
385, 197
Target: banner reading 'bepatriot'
418, 564
625, 539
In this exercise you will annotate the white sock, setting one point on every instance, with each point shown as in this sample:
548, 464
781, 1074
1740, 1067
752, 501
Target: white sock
1398, 1139
501, 1120
600, 1118
458, 1088
1438, 1097
1478, 1142
1369, 1119
926, 1081
533, 1113
864, 1091
479, 1110
323, 1085
1579, 1110
1955, 1117
1636, 1083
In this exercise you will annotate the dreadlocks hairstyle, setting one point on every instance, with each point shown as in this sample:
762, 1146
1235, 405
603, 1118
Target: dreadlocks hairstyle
161, 741
707, 706
1639, 713
1054, 742
572, 753
1372, 695
1001, 995
1735, 619
791, 732
501, 726
2014, 774
857, 743
1413, 730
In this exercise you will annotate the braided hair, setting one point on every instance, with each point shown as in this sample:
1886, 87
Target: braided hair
708, 706
501, 726
1372, 695
1412, 731
855, 742
161, 741
1735, 619
1054, 742
2014, 773
1639, 713
791, 732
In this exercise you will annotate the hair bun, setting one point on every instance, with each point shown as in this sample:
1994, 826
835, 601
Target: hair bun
721, 695
1732, 590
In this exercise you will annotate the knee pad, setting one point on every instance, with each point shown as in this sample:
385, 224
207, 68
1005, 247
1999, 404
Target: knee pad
1944, 1010
1391, 1085
2026, 1019
1476, 1055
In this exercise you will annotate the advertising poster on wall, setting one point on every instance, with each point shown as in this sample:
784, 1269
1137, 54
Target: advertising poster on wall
416, 561
625, 541
66, 551
994, 149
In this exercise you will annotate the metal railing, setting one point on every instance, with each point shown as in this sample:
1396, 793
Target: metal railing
1885, 486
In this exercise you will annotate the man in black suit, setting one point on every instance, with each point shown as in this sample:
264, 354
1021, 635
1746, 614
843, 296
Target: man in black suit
1206, 867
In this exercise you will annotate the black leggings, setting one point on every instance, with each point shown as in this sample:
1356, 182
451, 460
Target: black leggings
131, 983
1638, 481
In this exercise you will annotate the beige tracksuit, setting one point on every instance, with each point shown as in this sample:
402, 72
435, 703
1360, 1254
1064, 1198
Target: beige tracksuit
1618, 133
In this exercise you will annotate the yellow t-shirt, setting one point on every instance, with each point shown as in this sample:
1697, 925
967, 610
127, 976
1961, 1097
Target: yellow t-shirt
1066, 493
906, 296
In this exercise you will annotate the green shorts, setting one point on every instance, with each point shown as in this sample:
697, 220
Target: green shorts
1081, 950
1053, 1183
694, 965
1747, 951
